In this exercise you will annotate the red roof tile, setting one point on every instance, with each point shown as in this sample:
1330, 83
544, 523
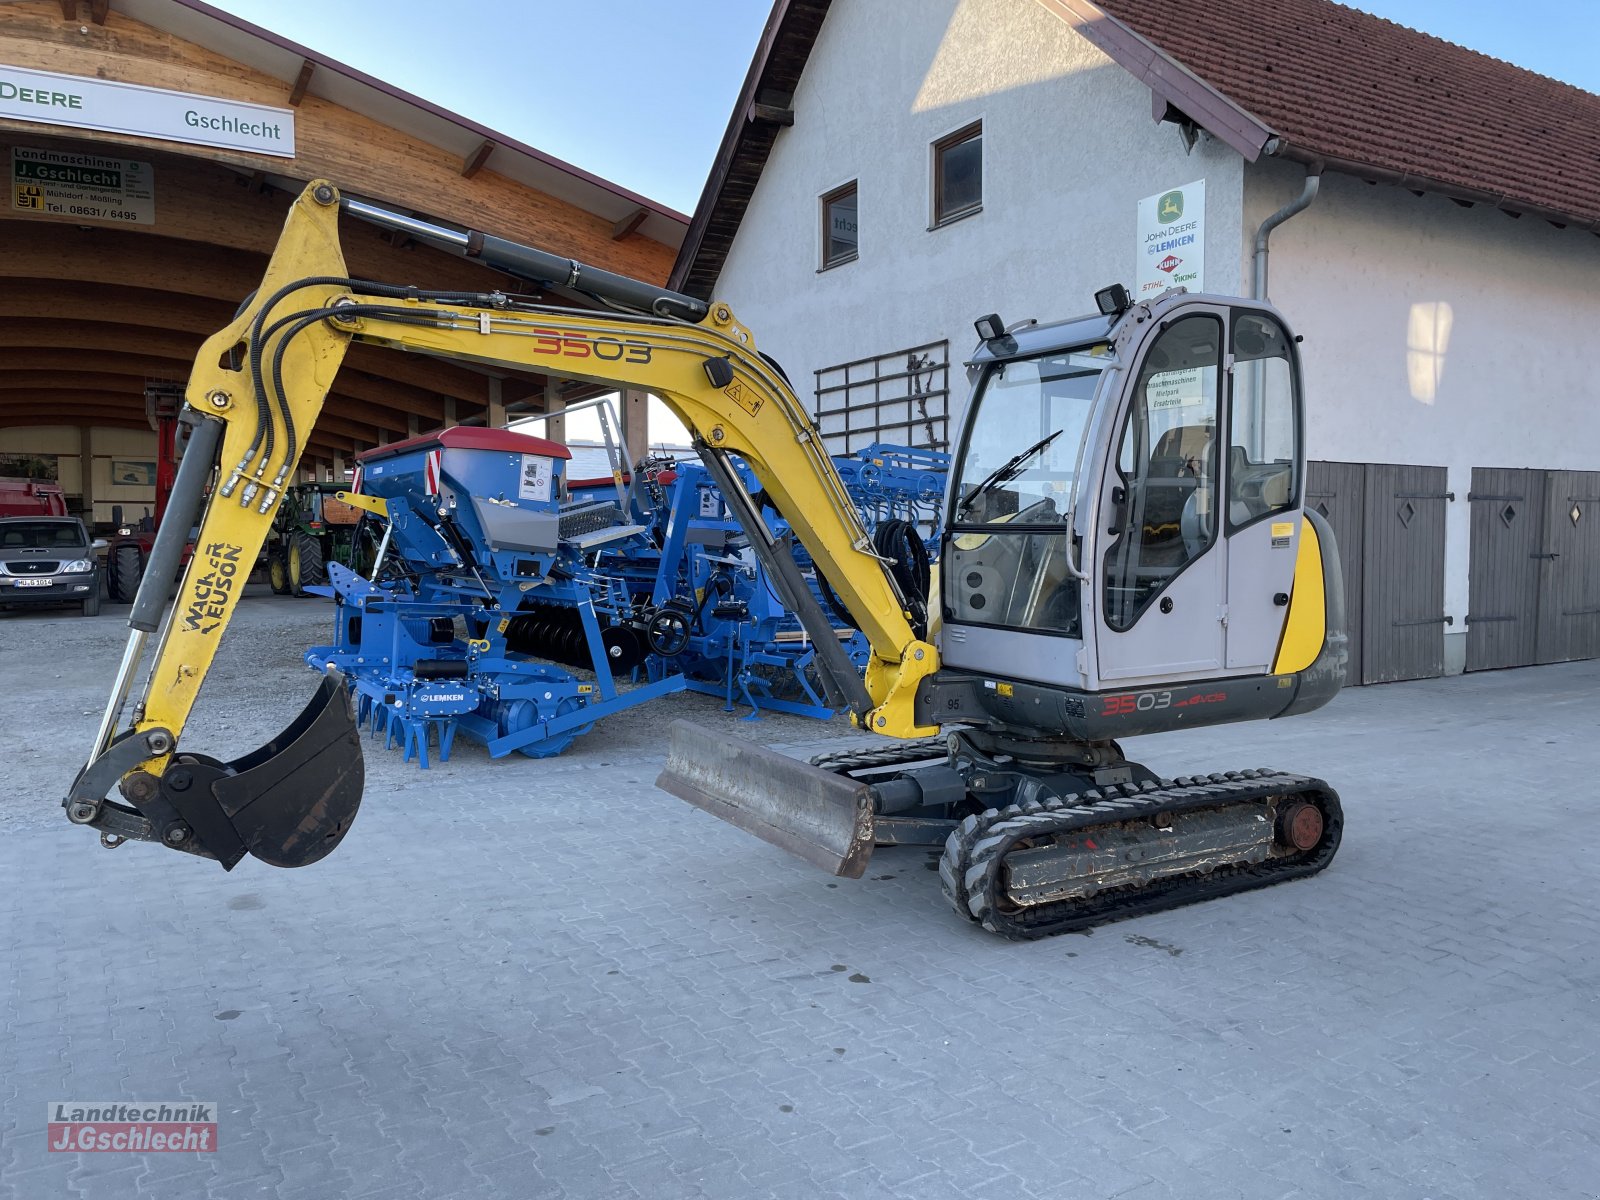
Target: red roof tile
1359, 90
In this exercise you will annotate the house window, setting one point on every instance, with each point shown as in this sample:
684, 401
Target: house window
958, 174
839, 226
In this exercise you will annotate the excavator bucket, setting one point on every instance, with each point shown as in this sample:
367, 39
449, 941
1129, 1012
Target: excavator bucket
292, 801
289, 803
824, 818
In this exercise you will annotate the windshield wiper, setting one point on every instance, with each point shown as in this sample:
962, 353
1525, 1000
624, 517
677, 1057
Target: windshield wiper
1005, 472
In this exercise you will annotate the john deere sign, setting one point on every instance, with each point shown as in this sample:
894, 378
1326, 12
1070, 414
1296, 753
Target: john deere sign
47, 98
1172, 240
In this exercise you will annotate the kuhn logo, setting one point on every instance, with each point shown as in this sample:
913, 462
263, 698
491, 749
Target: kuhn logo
1169, 264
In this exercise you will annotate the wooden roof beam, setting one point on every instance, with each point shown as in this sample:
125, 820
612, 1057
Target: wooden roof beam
629, 223
35, 421
26, 333
474, 161
302, 81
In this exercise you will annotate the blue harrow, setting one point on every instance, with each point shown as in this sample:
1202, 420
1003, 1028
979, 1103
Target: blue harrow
520, 609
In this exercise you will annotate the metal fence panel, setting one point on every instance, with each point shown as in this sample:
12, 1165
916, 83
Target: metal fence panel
901, 397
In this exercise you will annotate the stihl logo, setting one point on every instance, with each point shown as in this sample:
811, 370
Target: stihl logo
1169, 264
213, 588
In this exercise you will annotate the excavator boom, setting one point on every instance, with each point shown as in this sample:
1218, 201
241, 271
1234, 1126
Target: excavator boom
254, 394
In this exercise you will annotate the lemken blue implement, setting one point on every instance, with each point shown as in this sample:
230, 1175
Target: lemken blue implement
482, 574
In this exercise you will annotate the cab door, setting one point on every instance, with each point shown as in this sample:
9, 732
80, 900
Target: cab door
1264, 475
1160, 544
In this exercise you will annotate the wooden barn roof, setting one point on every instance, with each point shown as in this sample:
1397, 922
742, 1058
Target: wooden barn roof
90, 310
1306, 80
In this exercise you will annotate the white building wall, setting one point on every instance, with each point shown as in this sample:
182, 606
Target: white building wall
1069, 149
1436, 335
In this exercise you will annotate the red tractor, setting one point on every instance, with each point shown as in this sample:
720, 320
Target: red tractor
129, 550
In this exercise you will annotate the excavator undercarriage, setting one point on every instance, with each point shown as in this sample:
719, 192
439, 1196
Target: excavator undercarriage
1037, 838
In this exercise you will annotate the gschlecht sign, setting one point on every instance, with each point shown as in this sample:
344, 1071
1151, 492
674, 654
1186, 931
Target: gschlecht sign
48, 98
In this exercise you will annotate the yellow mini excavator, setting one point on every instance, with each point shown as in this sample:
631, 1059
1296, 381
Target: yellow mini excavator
1126, 550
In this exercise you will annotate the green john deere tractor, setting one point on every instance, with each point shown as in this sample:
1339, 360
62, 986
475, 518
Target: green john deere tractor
313, 528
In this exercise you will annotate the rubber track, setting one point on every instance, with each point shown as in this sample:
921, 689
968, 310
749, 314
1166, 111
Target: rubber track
970, 868
899, 754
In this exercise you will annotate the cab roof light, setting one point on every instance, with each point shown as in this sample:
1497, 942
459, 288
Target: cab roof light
990, 327
1112, 301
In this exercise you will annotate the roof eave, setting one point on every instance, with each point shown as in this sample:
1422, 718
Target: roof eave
501, 140
1168, 80
727, 149
1511, 205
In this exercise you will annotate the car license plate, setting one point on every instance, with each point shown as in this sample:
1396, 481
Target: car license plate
34, 582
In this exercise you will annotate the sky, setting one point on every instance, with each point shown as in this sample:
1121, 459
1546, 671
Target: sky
639, 91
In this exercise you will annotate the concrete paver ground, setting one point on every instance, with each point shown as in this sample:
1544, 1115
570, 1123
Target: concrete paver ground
546, 978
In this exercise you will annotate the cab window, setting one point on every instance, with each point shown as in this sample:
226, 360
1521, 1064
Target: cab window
1263, 421
1163, 512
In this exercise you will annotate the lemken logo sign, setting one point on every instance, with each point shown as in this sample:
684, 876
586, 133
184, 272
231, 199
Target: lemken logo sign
77, 101
1171, 240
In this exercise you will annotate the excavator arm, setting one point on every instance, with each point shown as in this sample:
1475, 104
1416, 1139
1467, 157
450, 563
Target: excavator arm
255, 392
290, 802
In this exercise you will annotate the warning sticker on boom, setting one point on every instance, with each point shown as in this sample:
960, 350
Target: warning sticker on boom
736, 392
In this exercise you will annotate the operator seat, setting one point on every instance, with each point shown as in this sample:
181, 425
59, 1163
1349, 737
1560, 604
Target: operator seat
1173, 531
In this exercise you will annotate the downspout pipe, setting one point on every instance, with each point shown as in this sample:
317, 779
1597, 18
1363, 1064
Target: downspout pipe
1258, 285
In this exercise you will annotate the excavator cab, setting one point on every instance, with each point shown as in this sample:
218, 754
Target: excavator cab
1128, 510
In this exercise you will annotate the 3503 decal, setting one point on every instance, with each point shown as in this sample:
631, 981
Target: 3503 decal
577, 345
1132, 702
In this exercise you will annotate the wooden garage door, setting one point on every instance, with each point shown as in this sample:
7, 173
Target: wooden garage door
1569, 568
1389, 522
1503, 585
1334, 489
1535, 570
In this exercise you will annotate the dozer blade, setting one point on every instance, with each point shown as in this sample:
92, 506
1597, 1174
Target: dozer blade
824, 818
292, 801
